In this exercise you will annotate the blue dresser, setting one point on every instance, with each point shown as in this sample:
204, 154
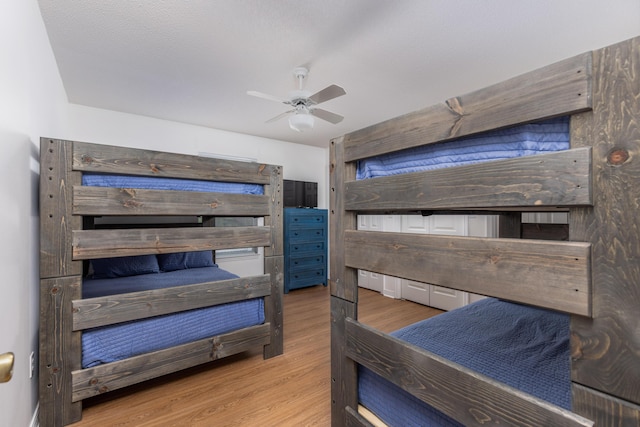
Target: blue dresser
305, 248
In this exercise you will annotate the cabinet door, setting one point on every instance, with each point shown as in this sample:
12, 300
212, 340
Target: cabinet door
450, 225
415, 291
445, 298
368, 279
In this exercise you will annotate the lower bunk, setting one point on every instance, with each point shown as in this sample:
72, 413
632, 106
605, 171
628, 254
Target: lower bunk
511, 354
128, 336
522, 347
123, 340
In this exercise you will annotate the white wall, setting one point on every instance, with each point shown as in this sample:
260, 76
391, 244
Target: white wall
32, 102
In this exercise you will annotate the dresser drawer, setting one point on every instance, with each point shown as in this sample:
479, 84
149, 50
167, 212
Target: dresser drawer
307, 219
307, 234
307, 262
313, 277
297, 248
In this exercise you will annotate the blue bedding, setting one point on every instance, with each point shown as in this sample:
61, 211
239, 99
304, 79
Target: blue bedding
524, 347
115, 342
518, 141
157, 183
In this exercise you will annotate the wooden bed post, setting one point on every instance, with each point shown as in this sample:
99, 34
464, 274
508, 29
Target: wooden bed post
606, 349
344, 290
274, 265
60, 283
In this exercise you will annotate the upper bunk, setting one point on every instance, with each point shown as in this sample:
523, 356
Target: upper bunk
68, 204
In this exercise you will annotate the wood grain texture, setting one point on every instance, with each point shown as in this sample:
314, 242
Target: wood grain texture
558, 89
56, 218
273, 309
343, 281
126, 161
606, 350
112, 376
60, 351
344, 372
245, 390
108, 310
90, 244
554, 275
132, 201
274, 191
469, 398
554, 179
603, 409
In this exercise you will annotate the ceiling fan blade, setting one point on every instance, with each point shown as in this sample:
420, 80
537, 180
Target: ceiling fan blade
327, 93
265, 96
279, 116
327, 115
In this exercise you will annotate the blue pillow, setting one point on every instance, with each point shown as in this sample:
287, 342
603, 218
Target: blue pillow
184, 260
124, 266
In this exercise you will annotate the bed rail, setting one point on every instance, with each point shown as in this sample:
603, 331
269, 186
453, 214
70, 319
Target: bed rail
466, 396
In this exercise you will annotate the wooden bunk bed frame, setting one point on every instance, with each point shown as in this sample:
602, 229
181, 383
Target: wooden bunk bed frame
68, 238
595, 276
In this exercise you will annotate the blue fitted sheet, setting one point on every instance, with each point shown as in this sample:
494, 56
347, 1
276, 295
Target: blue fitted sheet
518, 141
157, 183
115, 342
524, 347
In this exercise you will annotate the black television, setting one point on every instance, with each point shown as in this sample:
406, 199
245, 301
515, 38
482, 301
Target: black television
300, 194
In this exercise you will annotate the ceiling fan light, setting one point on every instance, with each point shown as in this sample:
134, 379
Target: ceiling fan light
301, 122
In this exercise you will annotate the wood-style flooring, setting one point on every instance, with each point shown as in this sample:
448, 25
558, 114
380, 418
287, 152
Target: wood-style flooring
244, 390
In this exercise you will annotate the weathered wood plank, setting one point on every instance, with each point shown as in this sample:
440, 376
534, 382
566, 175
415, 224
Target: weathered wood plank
604, 410
464, 395
112, 376
131, 161
344, 379
98, 201
554, 179
273, 305
88, 244
606, 350
343, 281
94, 312
275, 218
555, 275
60, 351
56, 219
559, 89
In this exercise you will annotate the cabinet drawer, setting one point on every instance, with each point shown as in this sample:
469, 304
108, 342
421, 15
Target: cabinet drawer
306, 219
315, 276
307, 234
307, 262
306, 247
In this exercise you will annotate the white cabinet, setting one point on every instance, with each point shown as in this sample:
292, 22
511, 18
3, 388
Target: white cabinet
424, 293
387, 285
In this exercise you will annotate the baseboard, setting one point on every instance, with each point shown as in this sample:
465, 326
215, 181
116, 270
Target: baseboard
34, 420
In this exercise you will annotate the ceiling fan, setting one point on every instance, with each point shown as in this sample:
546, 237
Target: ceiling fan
301, 117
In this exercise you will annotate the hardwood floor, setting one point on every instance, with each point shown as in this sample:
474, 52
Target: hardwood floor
244, 390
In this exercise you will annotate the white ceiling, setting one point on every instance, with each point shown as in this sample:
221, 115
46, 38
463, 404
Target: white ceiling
193, 61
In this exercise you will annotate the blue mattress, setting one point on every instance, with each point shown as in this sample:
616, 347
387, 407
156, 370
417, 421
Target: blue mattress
518, 141
524, 347
156, 183
115, 342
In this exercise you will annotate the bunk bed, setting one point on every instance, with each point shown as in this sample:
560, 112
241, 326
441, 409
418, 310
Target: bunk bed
578, 298
129, 287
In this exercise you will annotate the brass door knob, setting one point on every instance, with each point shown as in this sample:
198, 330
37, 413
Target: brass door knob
6, 367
